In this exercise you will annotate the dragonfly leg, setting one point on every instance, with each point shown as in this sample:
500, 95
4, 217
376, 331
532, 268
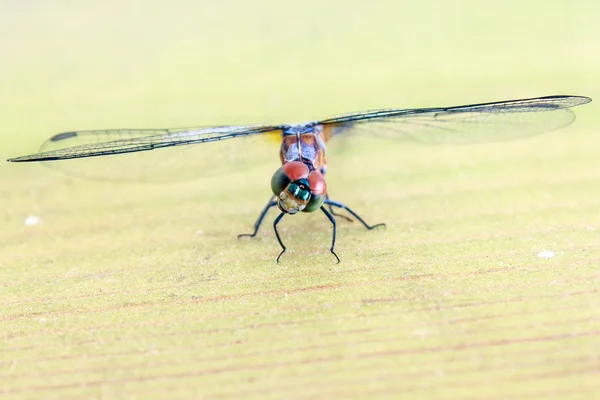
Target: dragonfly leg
259, 221
334, 231
277, 234
355, 215
336, 214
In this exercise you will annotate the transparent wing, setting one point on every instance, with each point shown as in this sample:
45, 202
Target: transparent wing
474, 123
254, 145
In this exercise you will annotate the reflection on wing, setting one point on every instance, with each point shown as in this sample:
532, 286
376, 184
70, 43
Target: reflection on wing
254, 146
473, 123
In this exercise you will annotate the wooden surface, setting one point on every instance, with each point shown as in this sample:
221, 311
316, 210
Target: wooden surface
141, 291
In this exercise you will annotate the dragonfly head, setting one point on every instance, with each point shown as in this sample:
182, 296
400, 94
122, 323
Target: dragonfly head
297, 188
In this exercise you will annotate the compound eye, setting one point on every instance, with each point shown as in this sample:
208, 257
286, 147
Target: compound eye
318, 191
279, 181
314, 203
287, 173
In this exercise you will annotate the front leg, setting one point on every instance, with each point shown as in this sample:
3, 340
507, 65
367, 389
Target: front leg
259, 221
334, 232
277, 234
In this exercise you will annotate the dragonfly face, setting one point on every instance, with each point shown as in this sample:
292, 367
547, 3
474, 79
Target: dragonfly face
297, 188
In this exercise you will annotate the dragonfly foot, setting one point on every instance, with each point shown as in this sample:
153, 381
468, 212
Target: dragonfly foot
279, 256
259, 221
376, 226
336, 256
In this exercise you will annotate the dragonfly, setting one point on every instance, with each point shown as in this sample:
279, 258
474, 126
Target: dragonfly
298, 185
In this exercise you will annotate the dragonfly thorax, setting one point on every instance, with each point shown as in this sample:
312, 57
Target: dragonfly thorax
299, 129
304, 143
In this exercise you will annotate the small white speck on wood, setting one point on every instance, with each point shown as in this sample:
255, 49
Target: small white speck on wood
32, 220
546, 254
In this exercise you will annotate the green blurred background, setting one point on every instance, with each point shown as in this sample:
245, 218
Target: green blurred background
141, 290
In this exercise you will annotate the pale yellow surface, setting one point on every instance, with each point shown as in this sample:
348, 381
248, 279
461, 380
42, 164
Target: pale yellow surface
141, 291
